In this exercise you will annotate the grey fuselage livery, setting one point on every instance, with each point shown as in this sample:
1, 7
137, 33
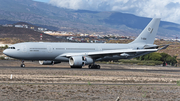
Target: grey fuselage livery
80, 54
53, 51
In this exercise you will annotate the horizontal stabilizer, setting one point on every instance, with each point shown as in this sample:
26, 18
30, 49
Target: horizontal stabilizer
165, 46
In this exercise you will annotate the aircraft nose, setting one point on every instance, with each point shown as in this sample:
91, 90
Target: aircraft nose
5, 52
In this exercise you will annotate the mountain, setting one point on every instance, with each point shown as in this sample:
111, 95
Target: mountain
54, 18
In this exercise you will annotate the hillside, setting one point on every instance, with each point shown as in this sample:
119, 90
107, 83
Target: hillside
55, 18
173, 49
14, 35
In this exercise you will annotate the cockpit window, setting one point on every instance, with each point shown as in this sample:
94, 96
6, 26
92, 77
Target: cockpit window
11, 48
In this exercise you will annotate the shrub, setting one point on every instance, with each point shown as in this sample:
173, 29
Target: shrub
140, 63
145, 62
2, 58
150, 64
163, 57
178, 83
155, 56
171, 60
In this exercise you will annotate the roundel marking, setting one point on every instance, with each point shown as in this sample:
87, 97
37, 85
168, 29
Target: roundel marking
149, 29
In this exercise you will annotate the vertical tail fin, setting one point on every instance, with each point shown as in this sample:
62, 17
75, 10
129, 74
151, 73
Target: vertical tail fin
148, 35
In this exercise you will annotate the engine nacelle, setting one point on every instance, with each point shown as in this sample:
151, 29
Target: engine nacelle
124, 54
48, 62
80, 61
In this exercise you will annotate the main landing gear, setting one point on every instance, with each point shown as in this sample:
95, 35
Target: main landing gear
94, 66
23, 65
77, 67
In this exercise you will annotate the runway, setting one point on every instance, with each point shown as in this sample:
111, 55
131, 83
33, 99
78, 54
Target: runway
86, 69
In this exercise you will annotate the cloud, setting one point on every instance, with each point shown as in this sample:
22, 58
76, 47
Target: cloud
168, 10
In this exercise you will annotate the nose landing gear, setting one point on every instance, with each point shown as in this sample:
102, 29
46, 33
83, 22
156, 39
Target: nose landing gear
23, 65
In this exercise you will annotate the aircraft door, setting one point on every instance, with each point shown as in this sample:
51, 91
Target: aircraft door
24, 48
99, 49
49, 48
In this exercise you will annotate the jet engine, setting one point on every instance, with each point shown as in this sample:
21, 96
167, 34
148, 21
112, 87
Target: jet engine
124, 54
48, 62
80, 61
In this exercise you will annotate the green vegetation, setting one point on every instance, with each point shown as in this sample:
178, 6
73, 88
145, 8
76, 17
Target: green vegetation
134, 61
140, 62
144, 62
89, 83
1, 50
5, 47
2, 58
178, 83
151, 59
166, 58
144, 95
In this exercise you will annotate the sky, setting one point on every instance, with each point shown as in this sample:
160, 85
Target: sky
43, 0
168, 10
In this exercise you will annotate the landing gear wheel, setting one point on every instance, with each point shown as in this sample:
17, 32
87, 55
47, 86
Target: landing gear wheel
98, 66
89, 66
94, 66
23, 65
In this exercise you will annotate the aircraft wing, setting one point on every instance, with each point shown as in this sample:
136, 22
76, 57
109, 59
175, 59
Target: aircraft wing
98, 54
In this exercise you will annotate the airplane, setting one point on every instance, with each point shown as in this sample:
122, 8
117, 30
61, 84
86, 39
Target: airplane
82, 54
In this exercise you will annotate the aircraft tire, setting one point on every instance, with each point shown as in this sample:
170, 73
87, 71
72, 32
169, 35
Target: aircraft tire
76, 67
94, 66
23, 65
98, 66
90, 66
